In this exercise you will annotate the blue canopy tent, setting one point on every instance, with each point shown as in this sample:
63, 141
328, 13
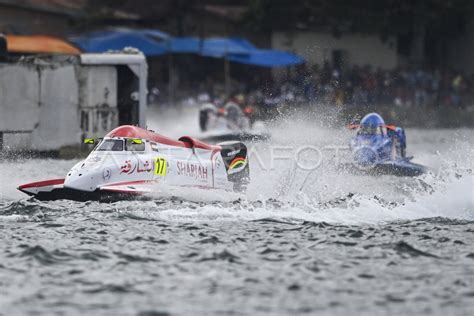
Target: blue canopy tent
267, 58
180, 45
222, 47
147, 41
234, 50
156, 43
242, 51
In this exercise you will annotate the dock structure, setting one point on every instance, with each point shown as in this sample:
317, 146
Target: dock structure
51, 102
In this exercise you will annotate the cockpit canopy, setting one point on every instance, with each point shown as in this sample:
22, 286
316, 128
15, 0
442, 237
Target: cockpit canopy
372, 124
119, 144
372, 130
372, 119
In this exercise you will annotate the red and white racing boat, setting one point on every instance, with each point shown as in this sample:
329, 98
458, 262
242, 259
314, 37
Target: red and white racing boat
131, 161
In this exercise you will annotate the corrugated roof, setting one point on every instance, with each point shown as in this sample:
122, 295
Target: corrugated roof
39, 44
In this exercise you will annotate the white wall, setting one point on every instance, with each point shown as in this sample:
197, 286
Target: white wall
317, 47
58, 120
98, 99
44, 103
100, 85
19, 93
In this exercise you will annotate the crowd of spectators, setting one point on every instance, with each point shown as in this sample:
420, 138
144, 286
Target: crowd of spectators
359, 86
356, 86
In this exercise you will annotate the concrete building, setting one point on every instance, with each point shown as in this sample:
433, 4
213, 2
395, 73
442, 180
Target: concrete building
347, 50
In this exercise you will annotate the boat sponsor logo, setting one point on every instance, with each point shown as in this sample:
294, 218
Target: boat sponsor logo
237, 162
192, 170
218, 163
233, 153
106, 174
154, 146
146, 167
94, 159
129, 167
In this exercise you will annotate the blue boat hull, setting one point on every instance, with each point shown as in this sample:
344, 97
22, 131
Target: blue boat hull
399, 168
402, 168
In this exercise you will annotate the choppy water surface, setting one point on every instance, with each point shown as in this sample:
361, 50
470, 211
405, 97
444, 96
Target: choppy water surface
327, 242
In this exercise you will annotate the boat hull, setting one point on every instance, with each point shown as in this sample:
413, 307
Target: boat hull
401, 169
52, 190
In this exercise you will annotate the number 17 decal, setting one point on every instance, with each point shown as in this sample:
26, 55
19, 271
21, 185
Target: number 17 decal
160, 167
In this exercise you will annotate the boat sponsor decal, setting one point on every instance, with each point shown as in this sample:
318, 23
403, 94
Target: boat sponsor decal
147, 167
160, 166
128, 167
93, 159
237, 162
218, 163
192, 170
154, 146
233, 153
106, 174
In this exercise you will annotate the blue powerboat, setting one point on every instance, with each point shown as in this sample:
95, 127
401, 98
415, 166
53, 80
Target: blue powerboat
381, 148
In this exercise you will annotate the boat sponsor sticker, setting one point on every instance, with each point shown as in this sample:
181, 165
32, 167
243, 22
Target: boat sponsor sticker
154, 146
106, 174
129, 167
192, 170
237, 162
233, 153
93, 159
237, 165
